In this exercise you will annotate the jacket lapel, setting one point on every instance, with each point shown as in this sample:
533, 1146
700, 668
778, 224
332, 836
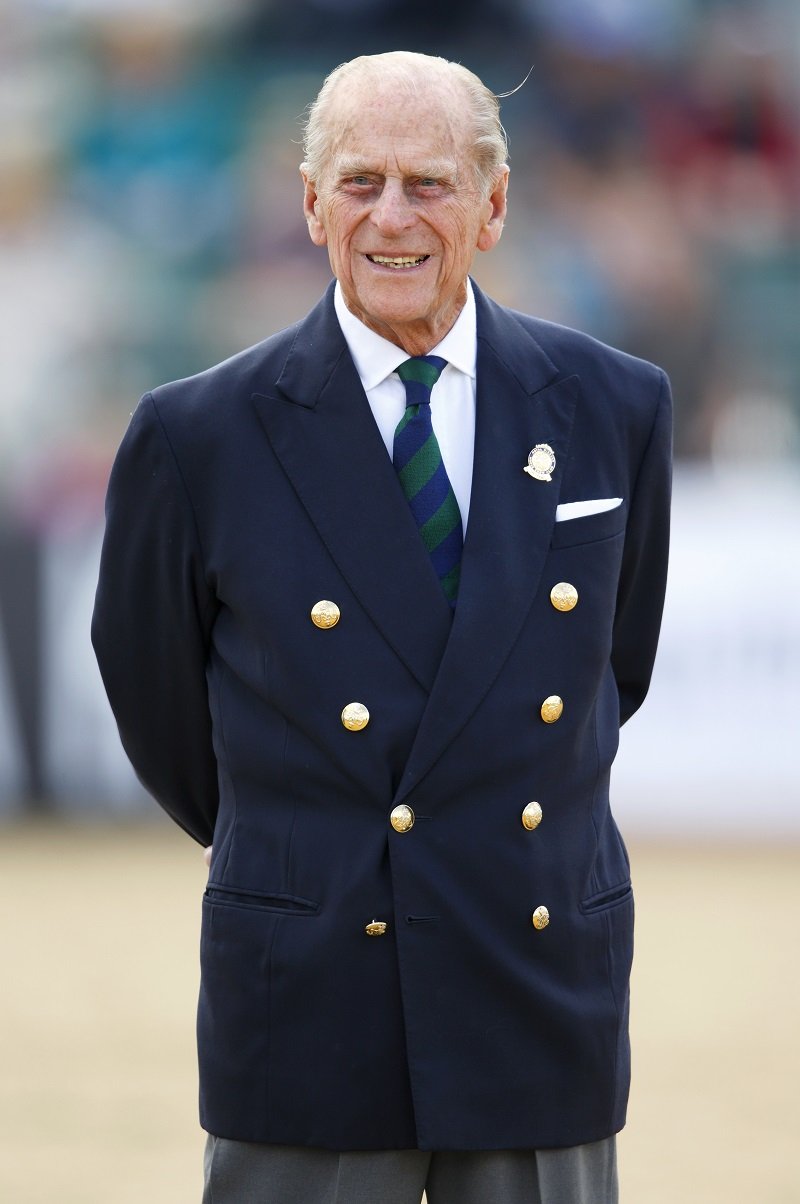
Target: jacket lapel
521, 401
319, 423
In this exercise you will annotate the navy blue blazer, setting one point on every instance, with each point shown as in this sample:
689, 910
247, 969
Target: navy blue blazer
240, 498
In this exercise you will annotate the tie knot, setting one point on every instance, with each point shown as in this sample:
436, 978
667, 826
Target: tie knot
419, 375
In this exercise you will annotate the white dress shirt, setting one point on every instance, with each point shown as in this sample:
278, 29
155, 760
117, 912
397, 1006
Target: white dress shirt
452, 397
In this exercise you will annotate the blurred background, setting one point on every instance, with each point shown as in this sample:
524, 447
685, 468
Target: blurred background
150, 225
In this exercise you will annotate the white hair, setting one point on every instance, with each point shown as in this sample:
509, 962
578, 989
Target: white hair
406, 71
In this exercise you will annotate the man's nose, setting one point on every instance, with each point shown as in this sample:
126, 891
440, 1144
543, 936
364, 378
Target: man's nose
393, 211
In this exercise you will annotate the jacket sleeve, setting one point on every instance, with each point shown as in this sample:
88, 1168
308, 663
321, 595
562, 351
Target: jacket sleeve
151, 626
643, 578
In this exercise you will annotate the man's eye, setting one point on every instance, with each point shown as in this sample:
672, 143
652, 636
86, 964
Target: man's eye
427, 182
360, 180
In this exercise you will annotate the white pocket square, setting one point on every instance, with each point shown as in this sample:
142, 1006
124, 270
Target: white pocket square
569, 510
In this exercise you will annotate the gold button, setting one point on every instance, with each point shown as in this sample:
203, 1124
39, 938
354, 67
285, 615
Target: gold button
564, 596
376, 928
325, 614
402, 818
551, 709
541, 918
532, 816
355, 716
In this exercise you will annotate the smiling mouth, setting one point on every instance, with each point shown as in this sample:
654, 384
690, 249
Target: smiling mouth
398, 261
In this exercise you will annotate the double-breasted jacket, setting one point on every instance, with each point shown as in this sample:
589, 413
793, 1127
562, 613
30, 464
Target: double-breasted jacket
398, 950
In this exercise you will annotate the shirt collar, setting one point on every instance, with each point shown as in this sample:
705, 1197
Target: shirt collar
376, 358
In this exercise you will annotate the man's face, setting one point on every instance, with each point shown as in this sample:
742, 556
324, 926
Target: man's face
399, 210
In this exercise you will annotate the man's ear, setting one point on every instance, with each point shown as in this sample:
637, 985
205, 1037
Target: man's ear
311, 204
494, 213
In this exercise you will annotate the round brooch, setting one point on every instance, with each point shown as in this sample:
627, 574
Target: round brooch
541, 462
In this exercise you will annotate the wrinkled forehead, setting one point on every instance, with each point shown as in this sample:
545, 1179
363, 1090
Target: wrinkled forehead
373, 117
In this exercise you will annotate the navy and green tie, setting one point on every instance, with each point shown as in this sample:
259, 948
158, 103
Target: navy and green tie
422, 475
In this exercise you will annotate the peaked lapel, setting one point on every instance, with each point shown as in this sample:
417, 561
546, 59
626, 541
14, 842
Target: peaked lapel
521, 401
321, 428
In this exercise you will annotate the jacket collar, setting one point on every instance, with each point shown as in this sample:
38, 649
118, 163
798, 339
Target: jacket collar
318, 344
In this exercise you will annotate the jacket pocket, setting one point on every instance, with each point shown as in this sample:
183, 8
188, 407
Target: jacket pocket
604, 900
283, 904
589, 528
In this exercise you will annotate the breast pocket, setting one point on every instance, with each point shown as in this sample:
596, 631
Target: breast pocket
590, 528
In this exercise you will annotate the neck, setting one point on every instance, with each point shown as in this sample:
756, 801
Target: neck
416, 337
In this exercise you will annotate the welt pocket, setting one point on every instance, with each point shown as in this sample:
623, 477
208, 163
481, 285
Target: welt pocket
604, 900
232, 896
589, 528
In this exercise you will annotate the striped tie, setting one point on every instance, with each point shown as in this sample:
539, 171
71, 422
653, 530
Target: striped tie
418, 462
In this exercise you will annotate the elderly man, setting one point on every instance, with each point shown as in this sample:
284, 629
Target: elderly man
376, 596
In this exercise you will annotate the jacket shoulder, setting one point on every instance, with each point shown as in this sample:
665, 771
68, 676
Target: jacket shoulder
581, 354
222, 385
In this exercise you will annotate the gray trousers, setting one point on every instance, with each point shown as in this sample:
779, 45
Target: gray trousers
245, 1173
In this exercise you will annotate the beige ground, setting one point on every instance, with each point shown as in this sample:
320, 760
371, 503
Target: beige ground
97, 1076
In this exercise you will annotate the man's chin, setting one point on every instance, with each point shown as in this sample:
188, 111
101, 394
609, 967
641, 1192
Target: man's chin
392, 311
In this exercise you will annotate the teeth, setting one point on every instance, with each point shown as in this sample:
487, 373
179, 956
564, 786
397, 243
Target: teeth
398, 261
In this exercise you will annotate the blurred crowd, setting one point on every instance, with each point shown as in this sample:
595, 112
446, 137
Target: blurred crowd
150, 225
150, 216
